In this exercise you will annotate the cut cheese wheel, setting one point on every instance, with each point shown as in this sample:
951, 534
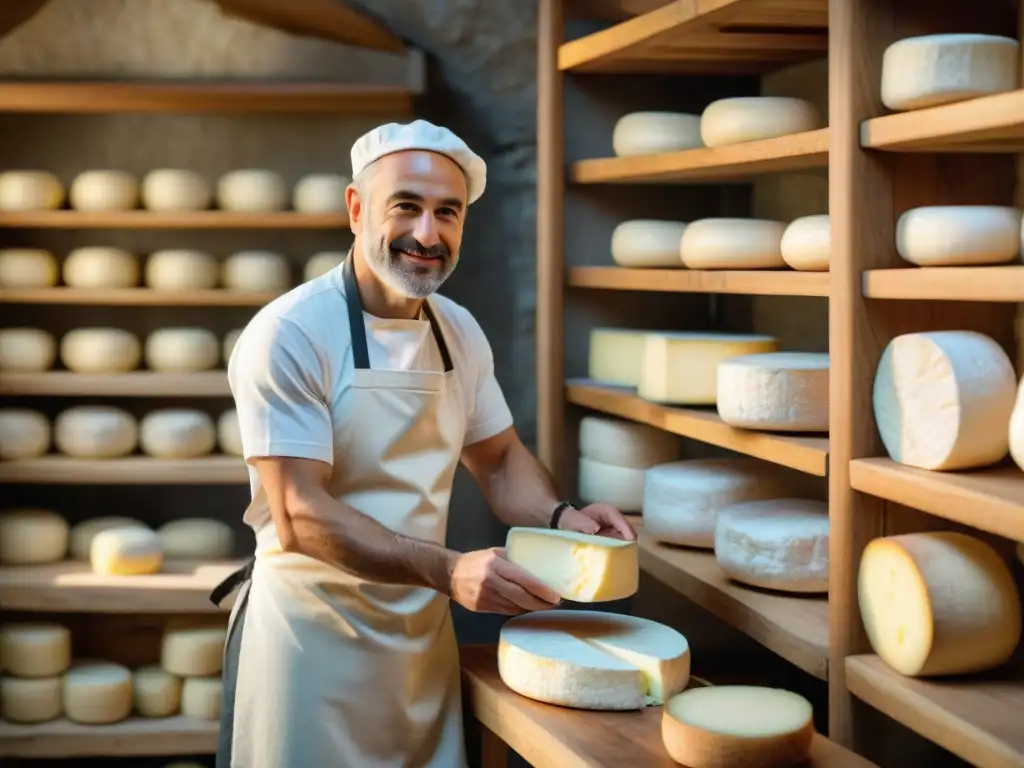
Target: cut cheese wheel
578, 566
616, 356
622, 487
200, 698
177, 433
727, 726
926, 71
104, 191
807, 243
95, 432
938, 603
193, 651
24, 433
626, 443
181, 269
101, 267
647, 243
175, 189
943, 399
592, 660
197, 538
779, 544
320, 193
251, 190
733, 244
30, 191
27, 350
321, 263
229, 433
682, 368
28, 268
156, 692
779, 391
97, 692
31, 700
959, 235
752, 118
182, 350
84, 532
128, 551
31, 536
256, 271
100, 350
35, 650
682, 498
650, 133
228, 345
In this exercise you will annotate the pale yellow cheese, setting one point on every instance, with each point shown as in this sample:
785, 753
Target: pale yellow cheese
95, 432
177, 433
622, 487
643, 243
97, 266
1016, 430
28, 268
30, 700
752, 118
84, 532
193, 651
156, 692
181, 269
100, 350
197, 538
97, 692
779, 392
175, 189
623, 443
128, 551
807, 243
30, 191
616, 356
959, 235
24, 433
649, 133
252, 190
32, 536
34, 649
201, 697
733, 244
106, 190
27, 350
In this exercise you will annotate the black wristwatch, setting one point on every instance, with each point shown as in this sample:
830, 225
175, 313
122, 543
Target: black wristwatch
557, 514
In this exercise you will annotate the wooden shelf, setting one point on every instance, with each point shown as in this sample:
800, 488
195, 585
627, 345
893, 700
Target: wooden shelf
133, 470
749, 282
807, 454
724, 37
990, 499
135, 736
131, 384
136, 297
139, 219
736, 162
978, 720
946, 283
986, 124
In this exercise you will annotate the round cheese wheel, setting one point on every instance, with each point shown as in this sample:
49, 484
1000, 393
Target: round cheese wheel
320, 193
175, 189
256, 271
37, 649
182, 350
723, 726
938, 603
24, 433
28, 268
926, 71
84, 532
624, 443
156, 692
193, 651
31, 536
181, 269
959, 235
30, 191
733, 244
753, 118
97, 692
26, 350
229, 434
128, 551
622, 487
252, 190
100, 350
943, 400
31, 700
650, 133
177, 433
197, 538
321, 263
778, 391
200, 698
95, 432
104, 191
101, 267
647, 243
230, 339
807, 243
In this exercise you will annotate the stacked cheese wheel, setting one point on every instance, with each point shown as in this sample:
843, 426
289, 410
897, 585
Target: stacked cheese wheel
188, 678
35, 659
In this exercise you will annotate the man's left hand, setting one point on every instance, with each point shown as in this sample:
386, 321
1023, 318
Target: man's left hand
598, 520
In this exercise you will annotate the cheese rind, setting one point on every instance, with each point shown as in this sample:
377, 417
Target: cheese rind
100, 350
625, 443
651, 133
177, 433
35, 649
251, 190
181, 350
95, 432
196, 538
28, 268
616, 356
27, 350
24, 433
97, 692
641, 243
156, 692
193, 651
101, 267
31, 536
622, 487
181, 269
807, 243
733, 244
105, 190
779, 391
201, 697
256, 271
30, 700
175, 189
753, 118
959, 235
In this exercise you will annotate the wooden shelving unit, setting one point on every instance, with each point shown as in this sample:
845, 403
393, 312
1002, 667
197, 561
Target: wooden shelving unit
191, 220
132, 737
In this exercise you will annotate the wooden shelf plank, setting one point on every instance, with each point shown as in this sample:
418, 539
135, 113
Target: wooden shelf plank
139, 219
990, 499
736, 162
946, 283
136, 297
807, 454
133, 470
748, 282
131, 384
978, 719
133, 737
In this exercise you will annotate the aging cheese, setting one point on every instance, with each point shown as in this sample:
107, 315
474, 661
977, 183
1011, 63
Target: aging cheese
959, 235
28, 268
27, 350
321, 263
624, 443
24, 434
228, 345
193, 651
778, 391
175, 189
101, 267
128, 551
196, 538
30, 191
650, 133
622, 487
177, 433
97, 692
181, 269
728, 726
616, 356
643, 243
578, 566
95, 432
752, 118
84, 532
733, 244
779, 544
100, 350
320, 193
229, 433
926, 71
38, 649
200, 698
30, 700
104, 191
807, 243
943, 399
938, 603
592, 660
251, 190
256, 271
182, 350
31, 536
156, 692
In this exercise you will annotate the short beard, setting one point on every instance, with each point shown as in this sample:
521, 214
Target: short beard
409, 281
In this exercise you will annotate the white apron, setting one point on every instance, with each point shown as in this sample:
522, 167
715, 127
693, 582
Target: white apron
323, 669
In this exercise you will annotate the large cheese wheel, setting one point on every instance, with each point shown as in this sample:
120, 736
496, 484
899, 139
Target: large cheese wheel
926, 71
197, 538
201, 697
156, 692
84, 532
177, 433
228, 345
27, 350
616, 356
647, 243
95, 432
181, 269
626, 443
251, 190
30, 700
321, 263
28, 268
320, 193
193, 651
778, 391
97, 692
622, 487
36, 649
182, 350
807, 243
938, 603
682, 498
106, 190
650, 133
752, 118
128, 551
175, 189
592, 660
733, 244
24, 433
101, 267
30, 191
31, 536
959, 235
100, 350
256, 271
229, 433
943, 399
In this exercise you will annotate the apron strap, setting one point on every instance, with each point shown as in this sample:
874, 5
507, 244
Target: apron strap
232, 582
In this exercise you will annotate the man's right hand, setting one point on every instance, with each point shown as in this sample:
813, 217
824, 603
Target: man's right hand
486, 582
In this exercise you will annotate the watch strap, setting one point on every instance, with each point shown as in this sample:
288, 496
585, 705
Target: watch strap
556, 515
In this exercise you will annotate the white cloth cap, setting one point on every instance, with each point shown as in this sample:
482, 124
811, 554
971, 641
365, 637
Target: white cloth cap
419, 134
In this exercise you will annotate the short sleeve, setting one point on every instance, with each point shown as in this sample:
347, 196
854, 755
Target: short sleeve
278, 382
490, 413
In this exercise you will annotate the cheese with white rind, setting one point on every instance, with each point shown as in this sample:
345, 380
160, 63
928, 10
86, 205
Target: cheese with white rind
616, 356
251, 190
320, 193
95, 432
181, 269
28, 268
682, 368
175, 189
959, 235
622, 487
727, 726
778, 544
229, 433
128, 551
177, 433
182, 350
100, 350
651, 133
193, 651
101, 267
256, 271
943, 399
30, 700
31, 536
641, 243
27, 350
778, 392
578, 566
24, 434
97, 692
228, 345
682, 498
733, 244
753, 118
36, 649
200, 697
930, 70
105, 190
623, 443
321, 263
592, 660
807, 243
30, 191
156, 692
938, 603
196, 538
84, 532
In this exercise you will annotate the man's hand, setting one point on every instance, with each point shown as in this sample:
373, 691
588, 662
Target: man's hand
599, 520
486, 582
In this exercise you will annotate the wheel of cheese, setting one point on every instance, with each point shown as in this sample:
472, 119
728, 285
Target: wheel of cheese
647, 243
938, 603
177, 433
778, 392
1016, 433
31, 700
200, 698
31, 536
100, 350
28, 268
723, 726
753, 118
252, 190
616, 356
101, 267
230, 339
807, 243
128, 551
959, 235
733, 244
97, 692
622, 487
95, 432
104, 191
24, 433
926, 71
36, 649
156, 692
943, 400
193, 651
197, 538
182, 350
175, 189
27, 350
592, 659
651, 133
321, 263
30, 191
229, 434
320, 193
626, 443
84, 532
682, 498
181, 269
256, 271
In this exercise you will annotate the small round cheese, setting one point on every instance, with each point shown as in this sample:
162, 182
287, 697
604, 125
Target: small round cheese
647, 243
320, 193
38, 649
650, 133
156, 692
778, 391
252, 190
100, 350
229, 433
622, 487
128, 551
193, 651
256, 271
27, 350
84, 532
95, 432
753, 118
24, 433
230, 339
733, 244
182, 350
181, 269
31, 536
28, 268
321, 263
959, 235
30, 700
200, 698
30, 191
807, 243
177, 433
104, 191
626, 443
197, 538
97, 692
175, 189
101, 267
